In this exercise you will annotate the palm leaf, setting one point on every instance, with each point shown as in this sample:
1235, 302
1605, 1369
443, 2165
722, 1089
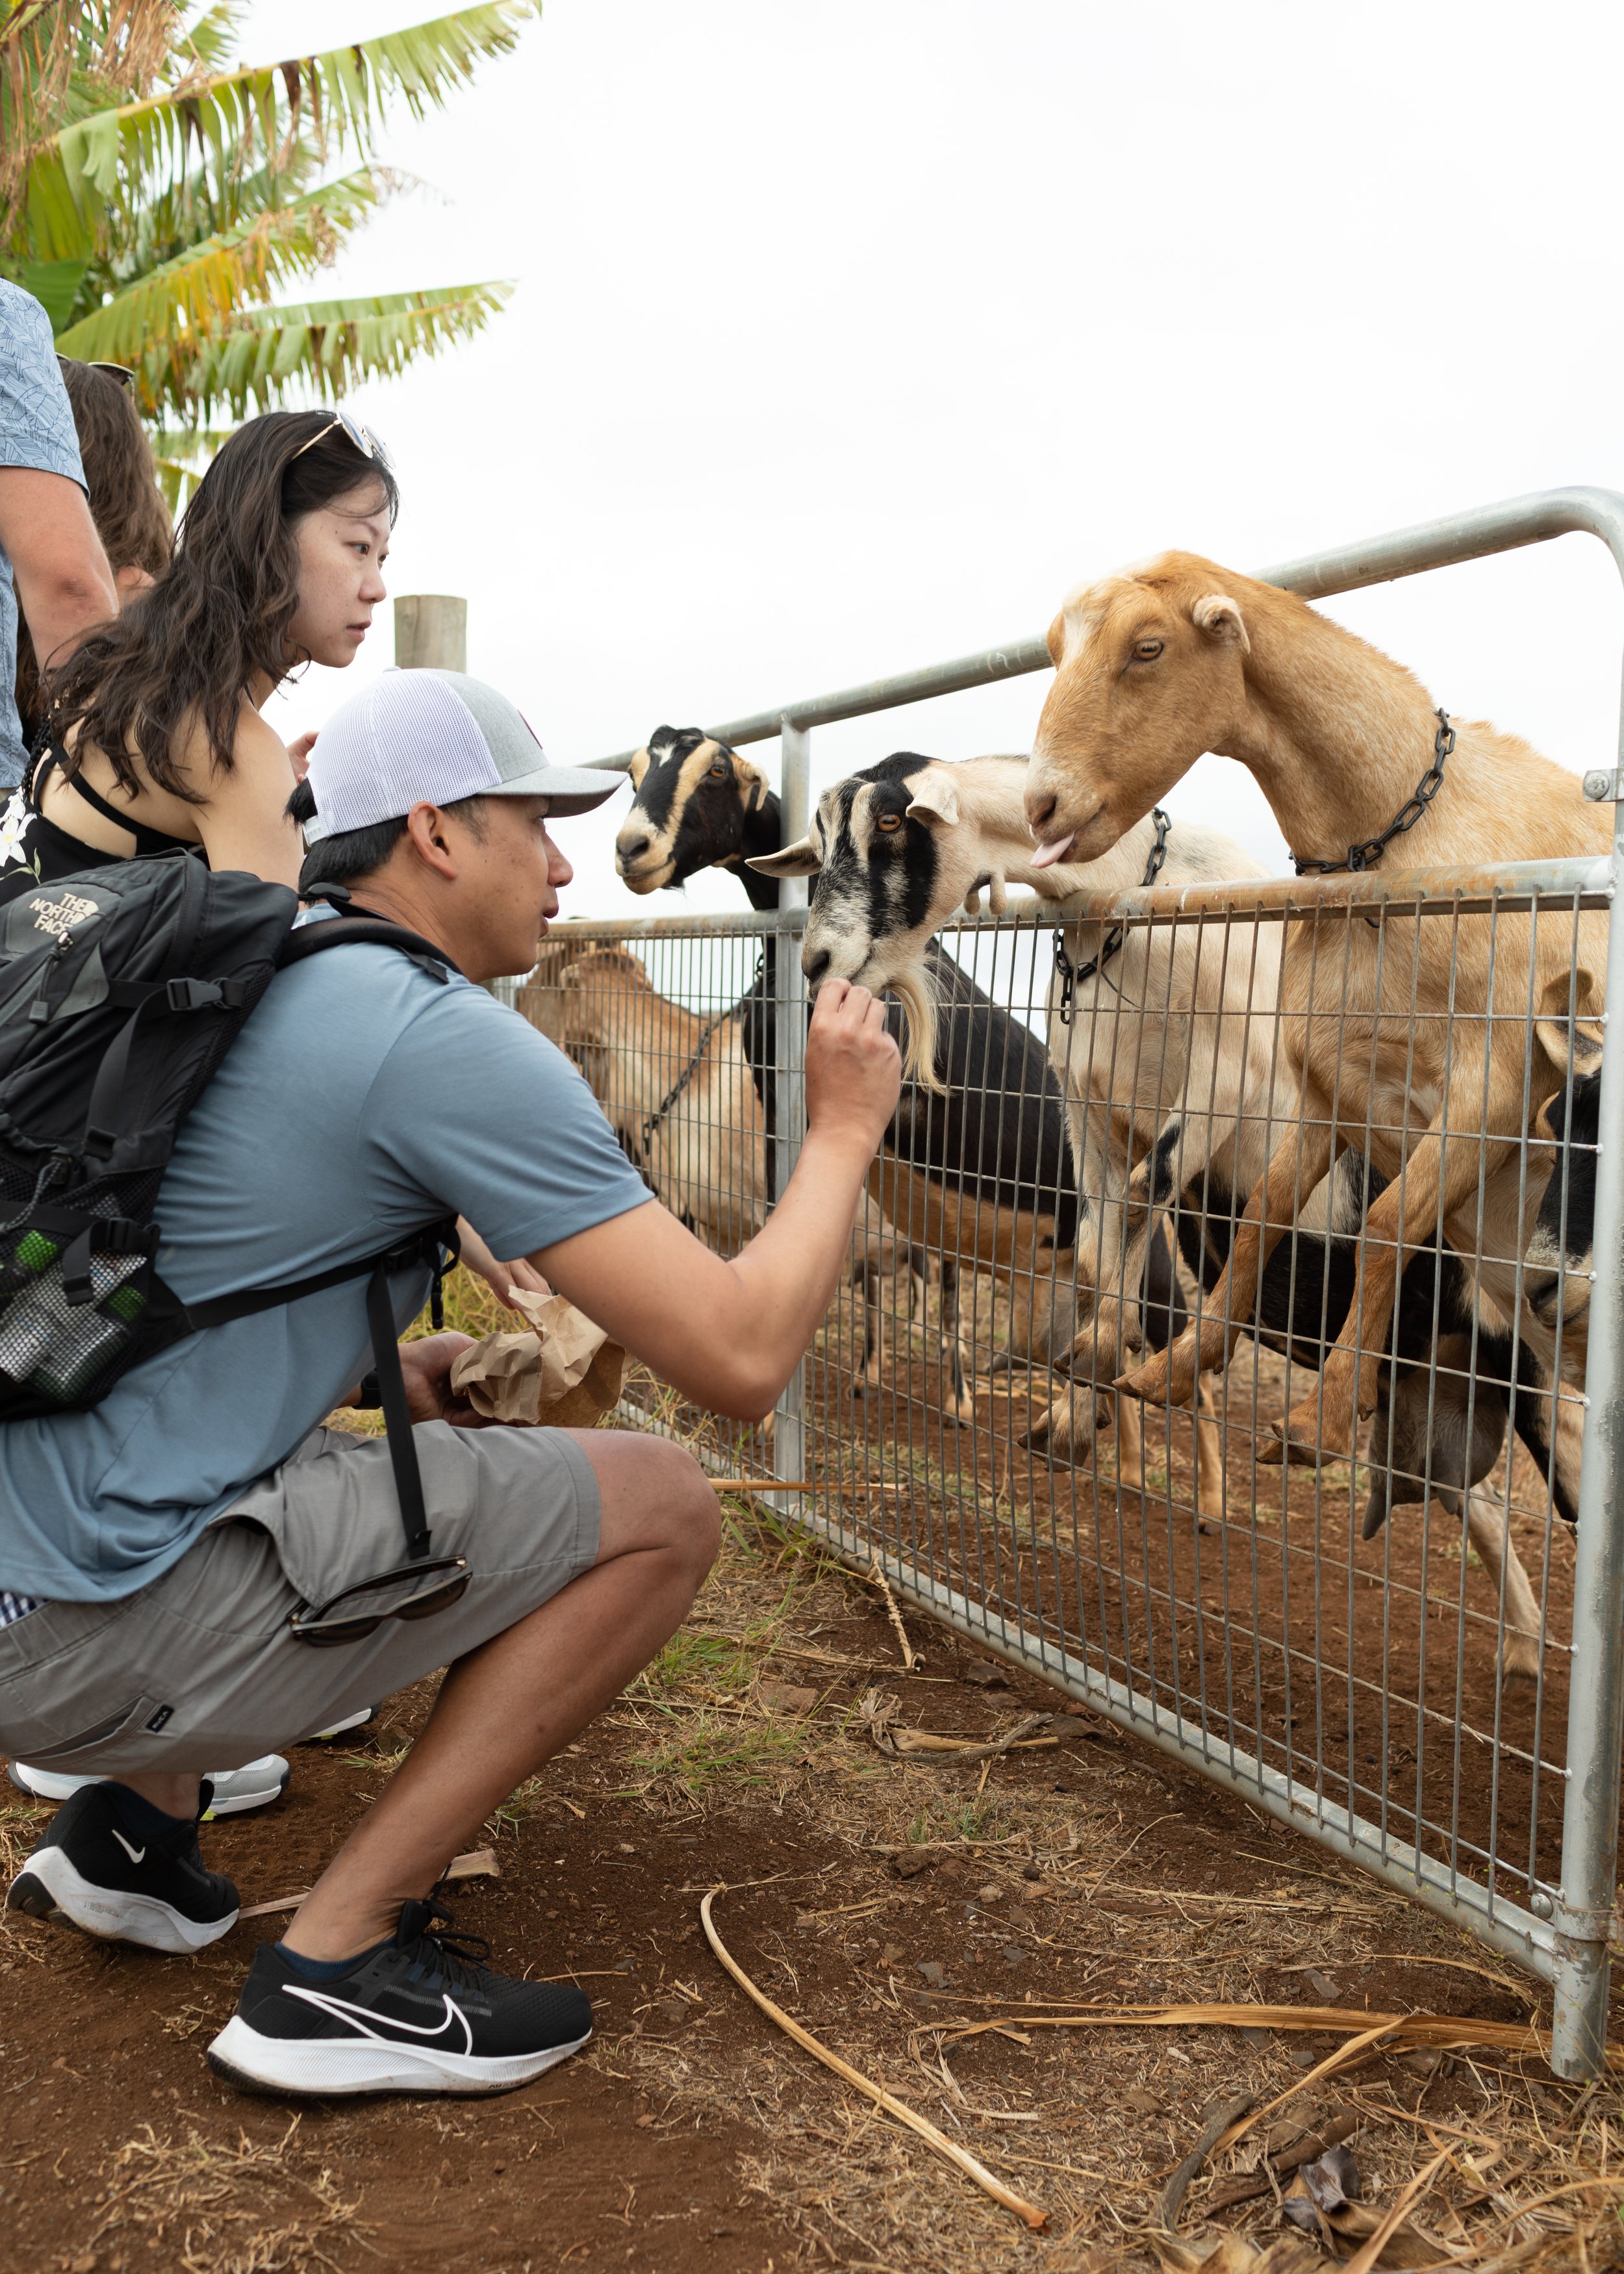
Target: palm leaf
259, 356
114, 158
204, 285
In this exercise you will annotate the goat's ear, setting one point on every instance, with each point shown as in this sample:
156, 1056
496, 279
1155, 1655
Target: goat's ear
1056, 641
637, 767
935, 802
754, 788
1217, 615
1569, 1043
804, 858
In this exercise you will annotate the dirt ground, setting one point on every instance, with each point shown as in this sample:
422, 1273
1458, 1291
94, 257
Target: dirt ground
886, 1903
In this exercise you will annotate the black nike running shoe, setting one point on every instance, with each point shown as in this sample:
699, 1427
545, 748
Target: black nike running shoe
89, 1870
421, 2015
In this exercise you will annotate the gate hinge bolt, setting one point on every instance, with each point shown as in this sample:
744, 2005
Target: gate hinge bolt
1601, 785
1541, 1904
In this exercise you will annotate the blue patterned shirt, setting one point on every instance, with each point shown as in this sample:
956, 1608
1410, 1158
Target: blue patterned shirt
36, 430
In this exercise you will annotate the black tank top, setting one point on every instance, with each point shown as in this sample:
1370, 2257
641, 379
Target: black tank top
46, 852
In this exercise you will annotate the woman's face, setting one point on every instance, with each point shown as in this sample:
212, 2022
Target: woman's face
343, 547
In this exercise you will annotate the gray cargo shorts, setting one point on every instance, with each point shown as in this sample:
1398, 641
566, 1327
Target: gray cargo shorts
199, 1671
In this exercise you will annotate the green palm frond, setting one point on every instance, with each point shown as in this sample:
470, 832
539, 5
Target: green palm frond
322, 349
204, 285
111, 161
155, 197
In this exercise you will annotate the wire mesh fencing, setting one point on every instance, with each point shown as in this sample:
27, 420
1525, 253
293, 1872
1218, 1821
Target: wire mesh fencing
1332, 1564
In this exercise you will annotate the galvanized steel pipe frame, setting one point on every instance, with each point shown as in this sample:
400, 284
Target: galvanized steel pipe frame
1571, 1948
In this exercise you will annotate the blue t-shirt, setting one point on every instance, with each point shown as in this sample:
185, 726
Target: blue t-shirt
362, 1100
36, 430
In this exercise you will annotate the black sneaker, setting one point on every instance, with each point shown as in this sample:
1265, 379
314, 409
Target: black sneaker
90, 1871
418, 2015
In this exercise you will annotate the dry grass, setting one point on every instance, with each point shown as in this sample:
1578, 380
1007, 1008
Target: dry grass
1089, 2123
1032, 1903
205, 2208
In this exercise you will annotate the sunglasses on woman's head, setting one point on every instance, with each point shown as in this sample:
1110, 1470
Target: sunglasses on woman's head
120, 372
363, 437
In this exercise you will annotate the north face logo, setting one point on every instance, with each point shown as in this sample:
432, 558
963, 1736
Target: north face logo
59, 916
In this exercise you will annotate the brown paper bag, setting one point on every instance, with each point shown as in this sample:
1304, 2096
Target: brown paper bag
564, 1372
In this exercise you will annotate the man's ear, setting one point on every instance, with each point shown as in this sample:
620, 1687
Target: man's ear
935, 802
637, 767
804, 858
425, 826
1217, 615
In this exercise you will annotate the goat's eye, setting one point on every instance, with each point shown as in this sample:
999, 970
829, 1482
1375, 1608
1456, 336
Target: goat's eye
721, 770
890, 821
1146, 651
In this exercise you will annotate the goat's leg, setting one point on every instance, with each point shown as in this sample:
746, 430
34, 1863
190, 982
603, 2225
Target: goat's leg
1296, 1166
1488, 1527
1106, 1325
1324, 1423
963, 1403
1130, 1444
869, 1276
1209, 1477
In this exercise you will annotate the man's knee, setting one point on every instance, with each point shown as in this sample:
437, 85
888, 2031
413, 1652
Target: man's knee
654, 1495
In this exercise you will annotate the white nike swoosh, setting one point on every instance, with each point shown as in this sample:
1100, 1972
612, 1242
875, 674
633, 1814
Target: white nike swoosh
360, 2016
136, 1855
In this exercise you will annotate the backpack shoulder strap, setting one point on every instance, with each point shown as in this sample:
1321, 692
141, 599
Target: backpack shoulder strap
376, 932
436, 1246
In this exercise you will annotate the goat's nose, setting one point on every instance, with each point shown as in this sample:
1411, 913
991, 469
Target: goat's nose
628, 848
814, 963
1039, 811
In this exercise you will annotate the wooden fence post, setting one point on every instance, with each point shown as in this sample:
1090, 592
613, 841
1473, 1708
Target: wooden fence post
431, 632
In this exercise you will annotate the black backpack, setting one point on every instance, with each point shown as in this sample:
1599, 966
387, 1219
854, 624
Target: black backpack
121, 990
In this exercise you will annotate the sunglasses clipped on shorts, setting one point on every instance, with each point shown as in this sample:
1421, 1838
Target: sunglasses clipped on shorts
363, 437
358, 1611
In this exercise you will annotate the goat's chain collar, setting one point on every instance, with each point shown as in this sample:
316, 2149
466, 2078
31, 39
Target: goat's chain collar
652, 1121
1071, 972
1360, 857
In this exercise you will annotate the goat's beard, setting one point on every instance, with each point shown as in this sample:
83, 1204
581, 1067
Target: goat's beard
913, 990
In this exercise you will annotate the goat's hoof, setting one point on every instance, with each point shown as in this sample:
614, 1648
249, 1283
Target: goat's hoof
1293, 1445
1519, 1664
1146, 1382
1324, 1427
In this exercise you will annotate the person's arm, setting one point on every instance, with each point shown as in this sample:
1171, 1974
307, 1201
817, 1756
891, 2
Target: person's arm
244, 822
728, 1333
64, 583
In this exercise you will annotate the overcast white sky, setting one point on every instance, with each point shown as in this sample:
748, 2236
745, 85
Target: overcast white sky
848, 337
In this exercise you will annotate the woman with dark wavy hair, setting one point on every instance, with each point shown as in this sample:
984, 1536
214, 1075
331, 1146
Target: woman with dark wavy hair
126, 504
156, 737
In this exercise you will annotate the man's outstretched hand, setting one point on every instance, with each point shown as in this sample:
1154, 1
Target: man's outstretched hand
854, 1068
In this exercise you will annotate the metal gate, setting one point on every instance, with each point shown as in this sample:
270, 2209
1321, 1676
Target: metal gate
1441, 1701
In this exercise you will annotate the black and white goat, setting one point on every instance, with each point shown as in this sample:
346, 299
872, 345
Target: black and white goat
960, 1175
1174, 1096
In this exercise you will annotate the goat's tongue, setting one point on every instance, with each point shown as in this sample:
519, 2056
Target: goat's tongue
1056, 850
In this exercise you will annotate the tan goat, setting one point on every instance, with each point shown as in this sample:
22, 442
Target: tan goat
677, 1090
1396, 1052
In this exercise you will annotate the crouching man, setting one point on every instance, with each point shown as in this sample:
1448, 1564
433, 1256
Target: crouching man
193, 1571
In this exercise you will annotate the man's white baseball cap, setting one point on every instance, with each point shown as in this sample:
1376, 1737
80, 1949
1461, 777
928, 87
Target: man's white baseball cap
432, 737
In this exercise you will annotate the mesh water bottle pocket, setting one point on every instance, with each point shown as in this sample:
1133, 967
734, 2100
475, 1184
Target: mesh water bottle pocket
50, 1348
